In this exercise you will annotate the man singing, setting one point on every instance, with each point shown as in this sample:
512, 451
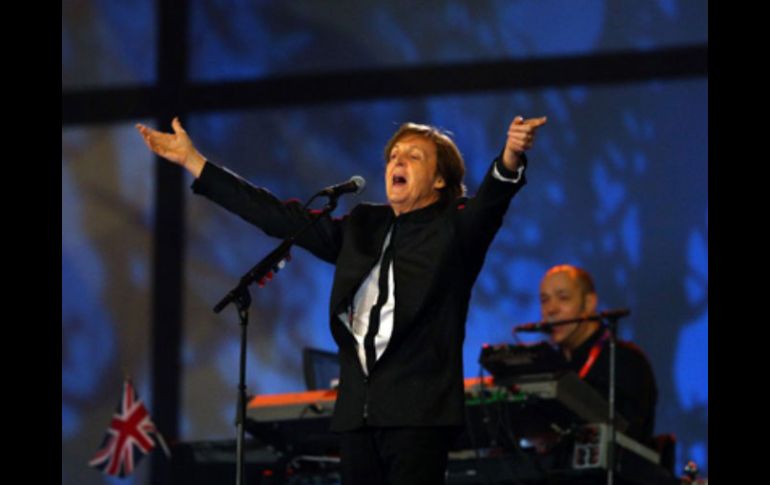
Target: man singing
402, 284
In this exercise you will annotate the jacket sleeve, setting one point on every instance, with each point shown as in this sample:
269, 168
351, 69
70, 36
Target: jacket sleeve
481, 216
274, 217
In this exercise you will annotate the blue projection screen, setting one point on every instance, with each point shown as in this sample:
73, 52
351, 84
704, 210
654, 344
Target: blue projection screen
242, 40
107, 222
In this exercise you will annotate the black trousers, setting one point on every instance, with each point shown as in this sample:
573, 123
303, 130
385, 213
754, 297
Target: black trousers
396, 456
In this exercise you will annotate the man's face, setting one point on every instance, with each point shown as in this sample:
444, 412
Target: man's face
411, 179
562, 298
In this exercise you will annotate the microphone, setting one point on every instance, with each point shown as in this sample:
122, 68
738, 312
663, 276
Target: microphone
544, 327
355, 185
547, 325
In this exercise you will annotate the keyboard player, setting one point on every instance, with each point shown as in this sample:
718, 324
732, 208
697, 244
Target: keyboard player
566, 292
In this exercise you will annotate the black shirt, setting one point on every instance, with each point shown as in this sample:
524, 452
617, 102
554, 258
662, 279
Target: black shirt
636, 392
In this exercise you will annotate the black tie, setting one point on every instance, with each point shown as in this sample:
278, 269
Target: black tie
374, 315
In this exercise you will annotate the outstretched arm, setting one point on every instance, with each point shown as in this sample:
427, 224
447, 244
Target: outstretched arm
483, 214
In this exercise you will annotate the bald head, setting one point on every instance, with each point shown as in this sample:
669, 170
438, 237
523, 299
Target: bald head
580, 276
568, 292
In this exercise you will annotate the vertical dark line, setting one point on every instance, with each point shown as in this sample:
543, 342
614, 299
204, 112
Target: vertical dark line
169, 232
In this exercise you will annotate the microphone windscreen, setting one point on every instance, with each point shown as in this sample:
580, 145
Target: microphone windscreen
359, 181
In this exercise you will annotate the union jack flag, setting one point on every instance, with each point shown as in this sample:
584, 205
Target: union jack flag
128, 437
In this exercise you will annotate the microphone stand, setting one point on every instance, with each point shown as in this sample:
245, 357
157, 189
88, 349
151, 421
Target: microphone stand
612, 327
545, 326
609, 320
240, 296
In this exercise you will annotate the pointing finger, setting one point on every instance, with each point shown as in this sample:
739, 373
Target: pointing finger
537, 122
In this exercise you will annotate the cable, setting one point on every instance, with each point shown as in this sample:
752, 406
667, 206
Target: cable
311, 200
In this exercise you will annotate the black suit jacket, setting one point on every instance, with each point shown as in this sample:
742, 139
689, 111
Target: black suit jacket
438, 253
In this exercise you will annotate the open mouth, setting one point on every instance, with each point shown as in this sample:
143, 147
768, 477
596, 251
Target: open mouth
398, 181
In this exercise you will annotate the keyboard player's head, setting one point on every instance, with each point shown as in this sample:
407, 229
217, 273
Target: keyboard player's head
568, 292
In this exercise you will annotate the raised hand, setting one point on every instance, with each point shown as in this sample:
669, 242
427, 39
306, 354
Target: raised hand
176, 147
521, 137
